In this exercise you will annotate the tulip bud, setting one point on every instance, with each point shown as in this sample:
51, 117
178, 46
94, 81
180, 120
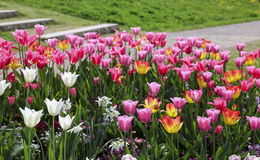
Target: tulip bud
11, 77
218, 129
11, 100
73, 91
29, 100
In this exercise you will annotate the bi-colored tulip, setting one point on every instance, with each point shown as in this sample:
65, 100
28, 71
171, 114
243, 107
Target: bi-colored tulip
39, 29
153, 103
142, 67
69, 78
31, 117
218, 129
231, 117
171, 110
171, 125
144, 114
124, 123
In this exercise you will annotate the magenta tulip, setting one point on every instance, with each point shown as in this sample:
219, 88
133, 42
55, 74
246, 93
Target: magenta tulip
204, 123
130, 107
154, 88
254, 122
124, 122
144, 115
178, 102
213, 114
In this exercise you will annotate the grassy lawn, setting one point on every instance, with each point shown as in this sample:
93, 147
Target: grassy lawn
156, 15
61, 21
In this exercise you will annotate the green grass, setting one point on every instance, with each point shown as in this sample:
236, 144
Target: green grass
156, 15
61, 21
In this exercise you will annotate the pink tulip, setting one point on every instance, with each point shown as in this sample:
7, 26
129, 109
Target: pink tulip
219, 103
96, 58
199, 43
211, 84
52, 42
34, 85
227, 95
209, 47
58, 57
72, 57
216, 48
219, 69
136, 30
207, 76
125, 59
149, 35
23, 37
254, 122
192, 40
258, 108
213, 114
250, 69
148, 47
39, 29
73, 91
142, 54
109, 41
89, 48
218, 129
158, 58
91, 35
130, 107
185, 75
154, 88
105, 62
30, 99
101, 47
240, 46
196, 95
11, 100
246, 85
178, 102
197, 53
124, 122
257, 82
144, 114
225, 56
11, 77
239, 61
204, 123
163, 69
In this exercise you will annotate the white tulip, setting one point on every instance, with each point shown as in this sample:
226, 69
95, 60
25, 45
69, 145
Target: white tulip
54, 107
31, 117
65, 122
3, 86
29, 74
69, 78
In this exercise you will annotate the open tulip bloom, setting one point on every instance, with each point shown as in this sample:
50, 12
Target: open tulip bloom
127, 96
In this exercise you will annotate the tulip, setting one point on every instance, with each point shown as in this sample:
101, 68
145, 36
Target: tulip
202, 83
231, 117
11, 77
163, 69
73, 91
23, 37
250, 60
213, 114
236, 90
246, 85
184, 75
96, 80
63, 45
30, 99
124, 122
142, 67
204, 123
207, 76
234, 157
258, 108
227, 95
29, 74
52, 42
225, 56
152, 103
54, 107
196, 95
254, 122
58, 57
178, 102
257, 82
142, 54
218, 129
128, 157
219, 103
69, 78
96, 58
233, 75
65, 122
239, 61
3, 86
187, 97
154, 88
130, 106
240, 46
31, 117
125, 60
171, 125
144, 114
11, 100
105, 63
39, 29
219, 69
171, 110
136, 30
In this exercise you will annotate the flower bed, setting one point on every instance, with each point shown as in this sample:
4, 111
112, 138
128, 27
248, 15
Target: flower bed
126, 96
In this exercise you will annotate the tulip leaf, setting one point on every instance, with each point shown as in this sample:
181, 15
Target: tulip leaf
222, 151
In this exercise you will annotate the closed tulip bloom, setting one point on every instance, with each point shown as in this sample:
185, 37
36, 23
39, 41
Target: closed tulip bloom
240, 46
171, 110
204, 123
213, 114
142, 67
136, 30
124, 123
218, 129
153, 103
3, 86
231, 117
65, 122
69, 78
154, 88
130, 107
171, 125
30, 100
39, 29
73, 91
144, 114
11, 100
31, 117
54, 107
178, 102
254, 122
29, 74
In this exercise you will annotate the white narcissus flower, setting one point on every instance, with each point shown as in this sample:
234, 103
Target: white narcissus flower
54, 107
3, 86
31, 117
29, 74
104, 101
128, 157
76, 129
65, 122
69, 78
117, 145
66, 106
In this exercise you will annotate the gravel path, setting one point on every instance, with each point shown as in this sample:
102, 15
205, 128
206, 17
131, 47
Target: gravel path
227, 36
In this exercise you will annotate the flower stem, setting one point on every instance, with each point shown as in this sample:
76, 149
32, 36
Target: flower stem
125, 143
254, 142
29, 144
53, 136
132, 142
65, 145
205, 145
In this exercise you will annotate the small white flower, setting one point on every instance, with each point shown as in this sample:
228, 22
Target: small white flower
66, 106
76, 129
31, 117
69, 78
128, 157
65, 122
110, 114
104, 101
117, 145
29, 74
248, 157
234, 157
3, 86
54, 107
